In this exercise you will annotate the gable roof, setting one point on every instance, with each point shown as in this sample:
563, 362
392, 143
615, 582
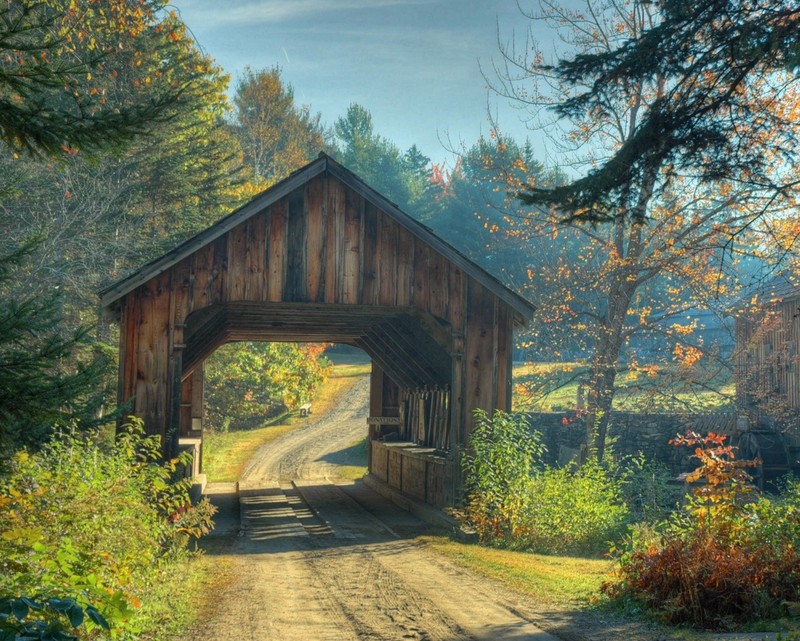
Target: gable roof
323, 164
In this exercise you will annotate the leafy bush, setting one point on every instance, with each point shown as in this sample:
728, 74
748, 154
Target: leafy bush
572, 509
516, 501
247, 383
46, 620
503, 455
78, 520
729, 558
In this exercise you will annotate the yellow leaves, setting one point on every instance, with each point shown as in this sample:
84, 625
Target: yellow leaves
683, 330
687, 355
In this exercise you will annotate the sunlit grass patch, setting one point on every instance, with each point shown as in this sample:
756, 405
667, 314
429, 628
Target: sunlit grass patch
226, 453
554, 387
555, 580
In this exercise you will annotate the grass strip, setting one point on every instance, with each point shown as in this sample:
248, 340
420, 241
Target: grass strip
561, 581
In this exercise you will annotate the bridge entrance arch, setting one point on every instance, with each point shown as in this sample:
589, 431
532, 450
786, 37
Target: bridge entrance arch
321, 256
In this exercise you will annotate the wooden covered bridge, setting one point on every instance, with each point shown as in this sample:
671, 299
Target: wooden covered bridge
321, 256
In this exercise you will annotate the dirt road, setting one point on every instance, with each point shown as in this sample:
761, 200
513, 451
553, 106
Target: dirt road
315, 560
301, 454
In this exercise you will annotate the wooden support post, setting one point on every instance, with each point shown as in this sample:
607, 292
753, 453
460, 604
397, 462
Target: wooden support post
174, 424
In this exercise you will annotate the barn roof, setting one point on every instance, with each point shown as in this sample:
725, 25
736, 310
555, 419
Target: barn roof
783, 286
324, 164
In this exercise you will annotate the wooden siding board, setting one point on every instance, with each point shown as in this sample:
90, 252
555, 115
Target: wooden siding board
438, 285
217, 290
297, 230
353, 225
316, 228
505, 345
405, 268
256, 256
277, 254
480, 365
389, 277
371, 258
334, 263
153, 355
422, 276
237, 248
201, 273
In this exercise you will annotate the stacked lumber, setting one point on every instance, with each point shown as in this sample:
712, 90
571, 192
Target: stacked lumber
426, 414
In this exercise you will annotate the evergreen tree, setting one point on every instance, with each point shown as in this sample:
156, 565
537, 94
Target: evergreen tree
44, 382
725, 78
67, 83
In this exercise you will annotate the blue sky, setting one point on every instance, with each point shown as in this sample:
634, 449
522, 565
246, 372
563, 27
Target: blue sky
414, 64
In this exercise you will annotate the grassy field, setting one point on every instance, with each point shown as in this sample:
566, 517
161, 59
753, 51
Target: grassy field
554, 387
226, 453
555, 580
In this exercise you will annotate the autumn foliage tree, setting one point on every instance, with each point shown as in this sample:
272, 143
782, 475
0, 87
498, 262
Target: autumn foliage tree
75, 75
276, 134
251, 382
660, 243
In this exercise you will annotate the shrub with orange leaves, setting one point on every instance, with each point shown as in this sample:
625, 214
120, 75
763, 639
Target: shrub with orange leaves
730, 558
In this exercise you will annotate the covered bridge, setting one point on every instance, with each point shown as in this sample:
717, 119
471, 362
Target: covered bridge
321, 256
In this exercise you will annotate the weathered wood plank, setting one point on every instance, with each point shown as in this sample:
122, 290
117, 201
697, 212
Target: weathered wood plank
334, 254
354, 208
480, 366
371, 258
217, 281
422, 276
436, 272
152, 379
315, 240
276, 253
388, 281
405, 268
201, 273
256, 268
504, 341
237, 249
297, 231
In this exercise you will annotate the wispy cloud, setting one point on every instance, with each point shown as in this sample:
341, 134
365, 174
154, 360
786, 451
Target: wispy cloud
276, 11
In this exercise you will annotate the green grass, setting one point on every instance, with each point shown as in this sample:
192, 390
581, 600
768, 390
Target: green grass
226, 453
554, 387
177, 596
562, 581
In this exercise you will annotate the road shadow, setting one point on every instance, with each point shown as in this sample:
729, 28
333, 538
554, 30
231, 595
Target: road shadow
355, 455
270, 518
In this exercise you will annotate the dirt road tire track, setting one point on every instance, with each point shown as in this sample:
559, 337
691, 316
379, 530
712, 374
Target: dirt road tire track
319, 561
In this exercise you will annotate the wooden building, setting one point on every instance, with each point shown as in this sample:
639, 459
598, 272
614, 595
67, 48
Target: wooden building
766, 358
321, 256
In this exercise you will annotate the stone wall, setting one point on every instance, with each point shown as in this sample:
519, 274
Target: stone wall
630, 433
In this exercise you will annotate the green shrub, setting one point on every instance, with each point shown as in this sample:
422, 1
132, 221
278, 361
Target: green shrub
514, 500
79, 520
572, 509
729, 558
503, 453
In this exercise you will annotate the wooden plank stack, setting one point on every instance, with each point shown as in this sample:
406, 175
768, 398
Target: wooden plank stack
426, 414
